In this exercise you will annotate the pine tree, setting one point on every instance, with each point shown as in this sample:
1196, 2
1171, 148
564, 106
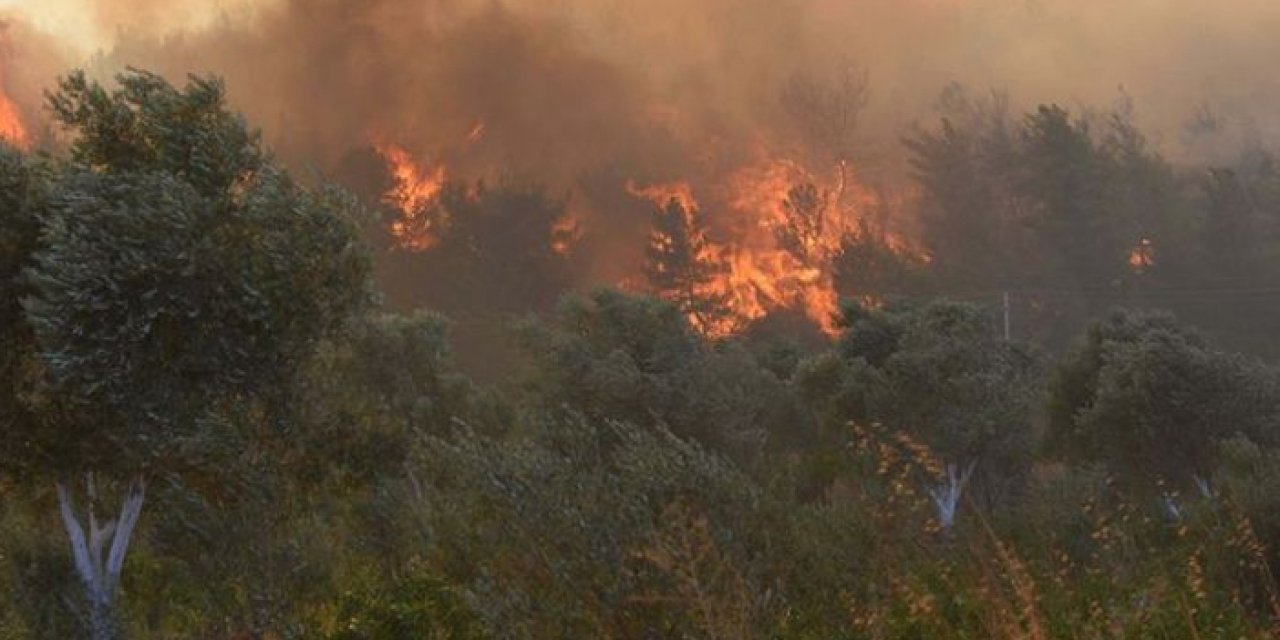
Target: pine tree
685, 270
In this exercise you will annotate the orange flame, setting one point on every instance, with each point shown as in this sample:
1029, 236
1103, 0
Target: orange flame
709, 254
769, 276
11, 128
763, 273
416, 187
565, 234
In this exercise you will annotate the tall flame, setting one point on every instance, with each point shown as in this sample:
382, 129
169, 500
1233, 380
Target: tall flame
781, 251
12, 129
416, 187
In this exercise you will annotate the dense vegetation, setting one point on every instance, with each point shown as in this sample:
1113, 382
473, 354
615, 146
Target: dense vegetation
209, 429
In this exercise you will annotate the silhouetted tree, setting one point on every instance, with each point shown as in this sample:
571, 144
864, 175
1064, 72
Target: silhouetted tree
684, 269
495, 252
805, 211
826, 114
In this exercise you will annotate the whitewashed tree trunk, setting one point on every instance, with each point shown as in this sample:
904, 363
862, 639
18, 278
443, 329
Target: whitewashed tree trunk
946, 496
1203, 486
101, 575
1169, 504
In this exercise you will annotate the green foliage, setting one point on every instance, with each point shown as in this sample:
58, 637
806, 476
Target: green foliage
40, 583
147, 125
415, 605
635, 359
179, 268
391, 380
939, 372
174, 304
526, 523
24, 183
1151, 398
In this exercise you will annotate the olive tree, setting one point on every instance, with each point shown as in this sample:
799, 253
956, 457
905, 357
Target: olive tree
1152, 398
940, 372
180, 272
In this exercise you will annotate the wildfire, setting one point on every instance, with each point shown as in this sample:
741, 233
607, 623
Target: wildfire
788, 226
779, 229
416, 187
565, 234
11, 128
661, 194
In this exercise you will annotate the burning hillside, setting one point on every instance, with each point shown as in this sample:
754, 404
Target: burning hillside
774, 125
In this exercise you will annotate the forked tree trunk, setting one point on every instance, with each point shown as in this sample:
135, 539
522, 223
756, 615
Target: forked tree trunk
946, 496
100, 574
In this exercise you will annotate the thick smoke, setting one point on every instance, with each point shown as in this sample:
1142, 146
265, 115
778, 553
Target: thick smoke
585, 75
585, 95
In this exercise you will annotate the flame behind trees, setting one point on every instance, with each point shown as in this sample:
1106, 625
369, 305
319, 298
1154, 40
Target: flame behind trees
781, 213
415, 188
686, 270
11, 128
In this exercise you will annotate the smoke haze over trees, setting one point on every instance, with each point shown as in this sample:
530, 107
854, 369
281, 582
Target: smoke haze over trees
639, 318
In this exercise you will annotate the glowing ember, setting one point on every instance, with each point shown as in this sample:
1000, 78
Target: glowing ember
416, 187
565, 233
1142, 256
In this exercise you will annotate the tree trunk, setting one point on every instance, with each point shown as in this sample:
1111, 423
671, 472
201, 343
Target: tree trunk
100, 575
946, 496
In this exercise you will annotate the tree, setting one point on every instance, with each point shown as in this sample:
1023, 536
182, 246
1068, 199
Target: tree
826, 115
970, 209
683, 268
805, 215
502, 250
182, 274
496, 251
867, 266
23, 189
966, 393
1151, 399
1079, 205
618, 357
941, 373
387, 383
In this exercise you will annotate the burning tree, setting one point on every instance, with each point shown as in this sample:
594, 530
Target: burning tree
684, 269
826, 114
804, 216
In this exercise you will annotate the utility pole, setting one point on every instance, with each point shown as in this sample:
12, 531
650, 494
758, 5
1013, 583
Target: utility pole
1006, 316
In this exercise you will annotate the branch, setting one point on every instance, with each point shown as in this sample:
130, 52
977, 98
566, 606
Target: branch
129, 513
79, 546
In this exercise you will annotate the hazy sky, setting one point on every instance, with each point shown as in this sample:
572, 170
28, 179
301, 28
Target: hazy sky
90, 25
1171, 56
